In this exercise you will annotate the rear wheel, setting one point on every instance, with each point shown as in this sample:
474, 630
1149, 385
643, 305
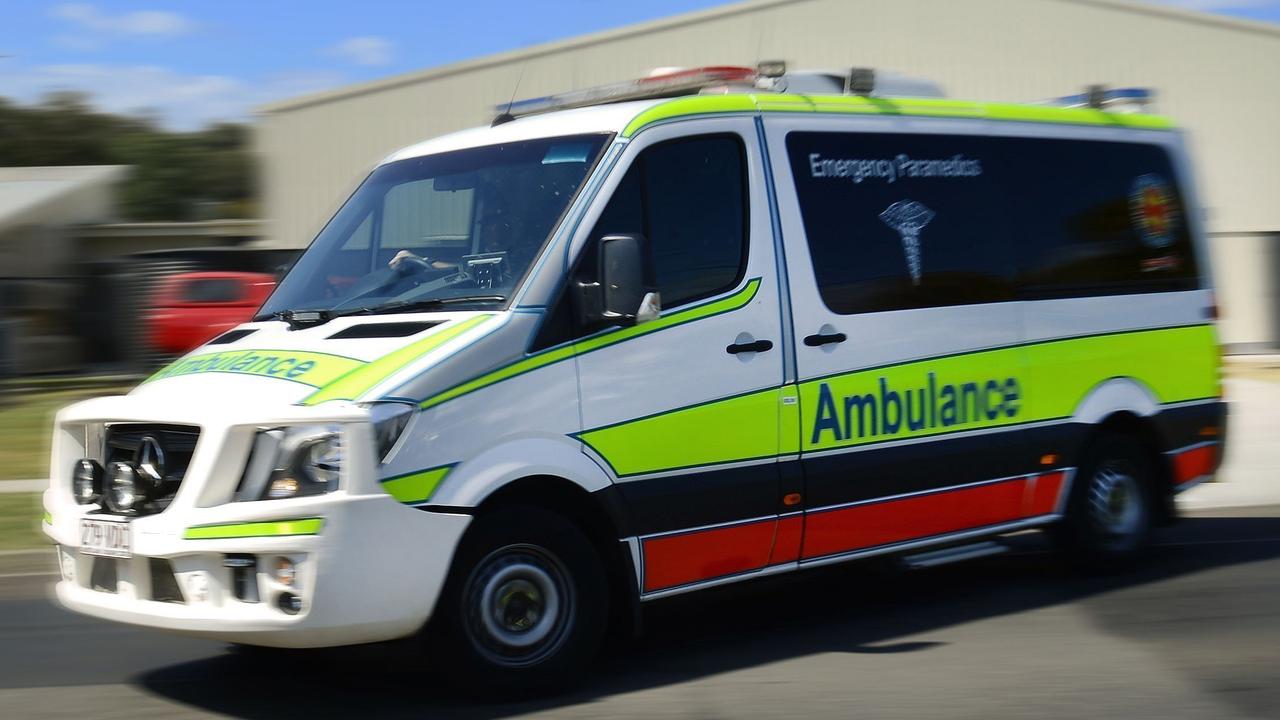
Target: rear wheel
1108, 520
525, 606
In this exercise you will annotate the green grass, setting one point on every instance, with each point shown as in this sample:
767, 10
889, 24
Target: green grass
26, 426
20, 515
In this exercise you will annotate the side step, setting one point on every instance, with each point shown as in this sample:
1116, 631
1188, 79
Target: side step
953, 554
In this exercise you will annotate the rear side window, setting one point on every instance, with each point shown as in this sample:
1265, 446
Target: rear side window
688, 197
897, 221
1097, 218
901, 221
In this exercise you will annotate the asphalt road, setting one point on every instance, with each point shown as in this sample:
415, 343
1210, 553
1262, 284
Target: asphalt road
1195, 633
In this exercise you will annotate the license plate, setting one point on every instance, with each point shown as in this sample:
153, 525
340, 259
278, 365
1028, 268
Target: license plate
109, 538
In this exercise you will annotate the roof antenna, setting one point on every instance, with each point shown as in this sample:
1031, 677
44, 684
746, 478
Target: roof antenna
505, 116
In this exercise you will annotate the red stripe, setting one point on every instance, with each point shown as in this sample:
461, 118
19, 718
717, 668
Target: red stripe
786, 544
701, 555
882, 523
1196, 462
679, 559
1045, 494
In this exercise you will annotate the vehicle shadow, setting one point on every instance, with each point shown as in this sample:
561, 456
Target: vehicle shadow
857, 608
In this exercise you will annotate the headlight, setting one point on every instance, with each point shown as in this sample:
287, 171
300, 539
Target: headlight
124, 492
293, 462
86, 481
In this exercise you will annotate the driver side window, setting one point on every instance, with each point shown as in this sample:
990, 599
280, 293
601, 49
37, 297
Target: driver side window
689, 198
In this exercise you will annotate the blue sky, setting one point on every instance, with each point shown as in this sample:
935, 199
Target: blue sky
191, 63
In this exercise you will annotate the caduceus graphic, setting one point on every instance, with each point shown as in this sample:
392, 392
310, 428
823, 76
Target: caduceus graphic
909, 217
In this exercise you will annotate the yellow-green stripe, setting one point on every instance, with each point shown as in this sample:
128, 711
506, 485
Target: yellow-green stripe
734, 429
715, 307
1054, 376
416, 487
275, 528
309, 368
363, 378
48, 519
851, 104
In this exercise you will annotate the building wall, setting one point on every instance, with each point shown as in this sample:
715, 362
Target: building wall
1218, 77
1247, 266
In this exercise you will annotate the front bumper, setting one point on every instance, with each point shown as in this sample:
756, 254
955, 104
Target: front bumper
372, 572
367, 567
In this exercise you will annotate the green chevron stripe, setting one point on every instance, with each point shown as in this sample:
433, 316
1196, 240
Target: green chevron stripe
533, 362
363, 378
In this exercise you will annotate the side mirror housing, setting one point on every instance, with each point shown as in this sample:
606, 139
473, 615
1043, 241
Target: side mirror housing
624, 292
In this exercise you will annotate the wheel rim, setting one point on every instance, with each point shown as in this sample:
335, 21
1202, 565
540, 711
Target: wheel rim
519, 605
1115, 502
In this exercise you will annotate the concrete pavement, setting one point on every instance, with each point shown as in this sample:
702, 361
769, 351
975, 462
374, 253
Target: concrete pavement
1250, 473
1195, 633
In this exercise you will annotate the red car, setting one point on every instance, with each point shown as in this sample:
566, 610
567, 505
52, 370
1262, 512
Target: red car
189, 309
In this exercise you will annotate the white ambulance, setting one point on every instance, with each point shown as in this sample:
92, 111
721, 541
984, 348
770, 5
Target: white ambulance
713, 325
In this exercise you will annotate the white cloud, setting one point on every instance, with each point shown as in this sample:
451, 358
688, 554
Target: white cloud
183, 102
76, 43
364, 50
153, 23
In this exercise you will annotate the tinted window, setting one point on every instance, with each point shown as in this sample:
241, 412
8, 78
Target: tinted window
210, 290
1097, 218
688, 198
901, 221
905, 221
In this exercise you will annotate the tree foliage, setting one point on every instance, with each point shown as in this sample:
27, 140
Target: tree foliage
198, 175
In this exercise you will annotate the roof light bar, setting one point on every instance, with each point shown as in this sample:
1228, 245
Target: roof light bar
768, 76
667, 84
1099, 97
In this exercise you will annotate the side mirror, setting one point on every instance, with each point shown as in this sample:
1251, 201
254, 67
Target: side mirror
625, 291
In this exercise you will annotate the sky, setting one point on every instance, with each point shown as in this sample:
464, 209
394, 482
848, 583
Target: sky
191, 63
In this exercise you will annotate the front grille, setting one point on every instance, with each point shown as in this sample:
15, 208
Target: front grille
176, 445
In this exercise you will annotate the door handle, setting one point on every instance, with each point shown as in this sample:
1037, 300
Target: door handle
757, 346
825, 339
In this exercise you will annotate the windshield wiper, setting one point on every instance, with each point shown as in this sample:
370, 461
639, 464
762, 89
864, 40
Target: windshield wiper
299, 319
412, 305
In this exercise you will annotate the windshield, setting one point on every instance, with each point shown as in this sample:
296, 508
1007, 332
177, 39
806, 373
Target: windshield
458, 228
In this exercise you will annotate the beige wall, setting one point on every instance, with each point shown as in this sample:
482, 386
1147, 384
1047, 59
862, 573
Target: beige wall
1248, 292
1219, 78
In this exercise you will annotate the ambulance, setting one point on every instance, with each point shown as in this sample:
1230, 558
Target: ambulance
645, 339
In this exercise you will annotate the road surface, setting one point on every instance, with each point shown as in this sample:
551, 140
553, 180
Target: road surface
1196, 634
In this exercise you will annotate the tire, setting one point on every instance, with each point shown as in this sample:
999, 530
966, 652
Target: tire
525, 607
1109, 513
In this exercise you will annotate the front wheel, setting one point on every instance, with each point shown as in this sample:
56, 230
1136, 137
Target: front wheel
1108, 519
525, 606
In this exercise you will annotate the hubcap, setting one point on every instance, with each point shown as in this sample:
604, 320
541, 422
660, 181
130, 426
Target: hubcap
1116, 502
519, 605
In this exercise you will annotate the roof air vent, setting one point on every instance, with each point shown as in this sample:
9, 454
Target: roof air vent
231, 336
